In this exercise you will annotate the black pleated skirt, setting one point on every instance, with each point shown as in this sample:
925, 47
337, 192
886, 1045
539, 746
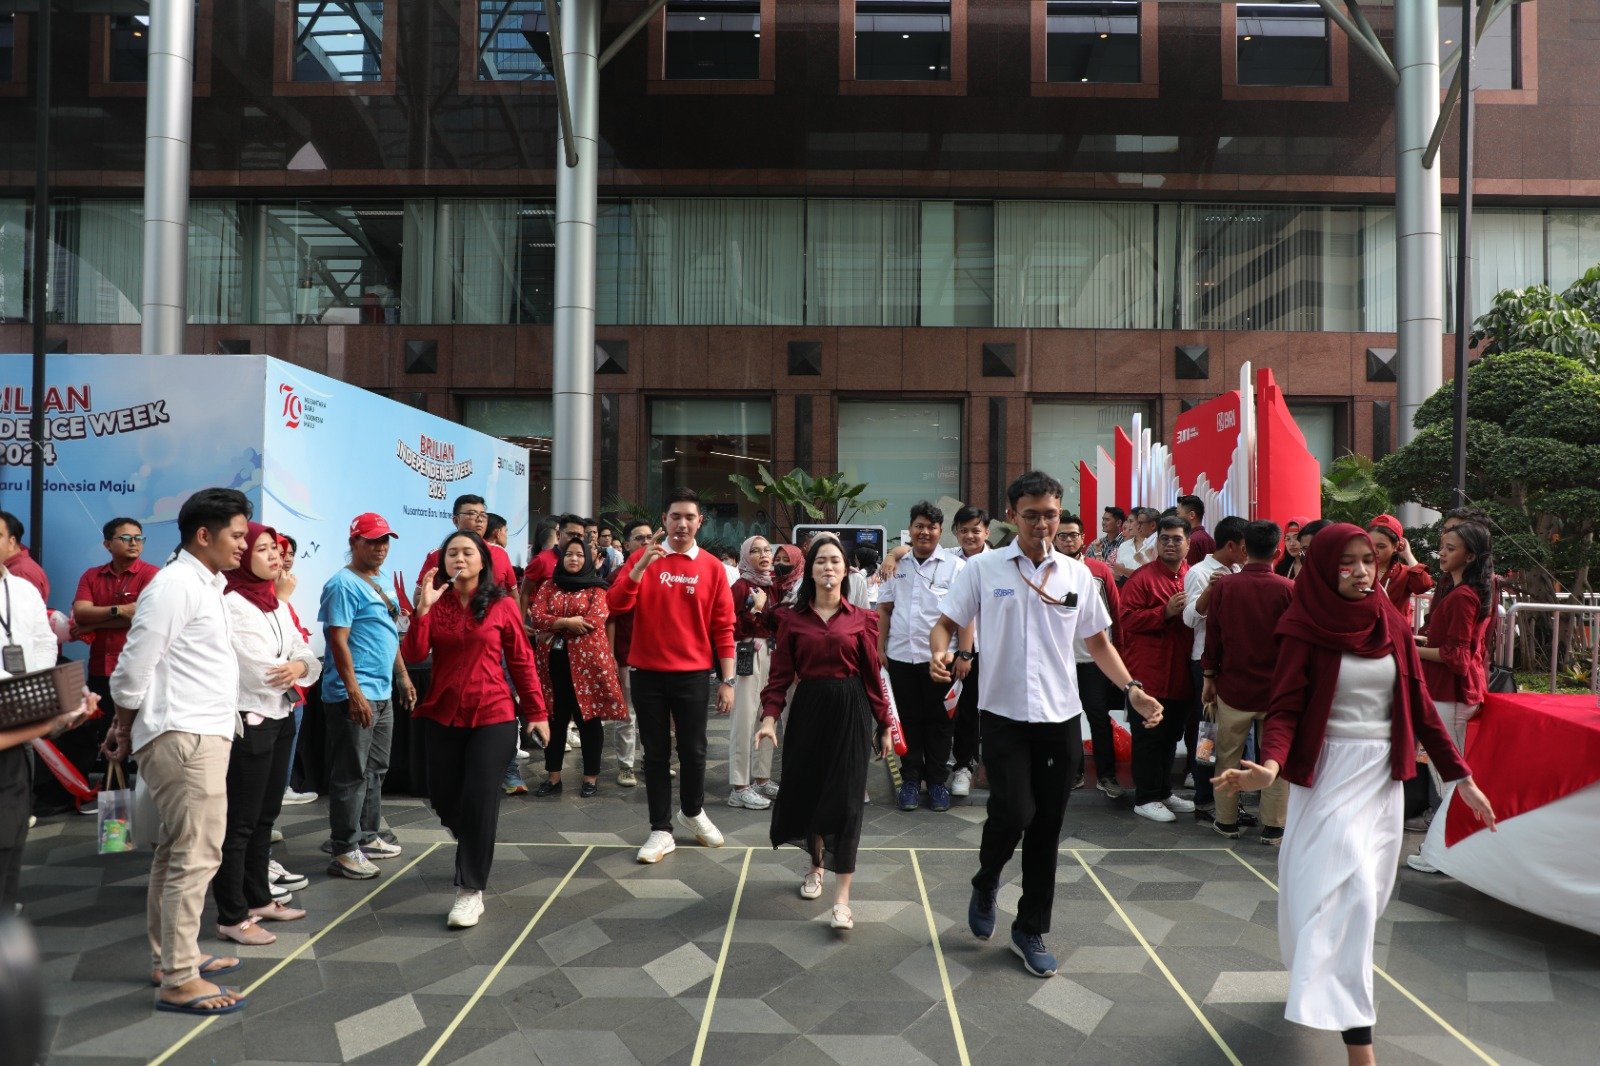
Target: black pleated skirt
826, 748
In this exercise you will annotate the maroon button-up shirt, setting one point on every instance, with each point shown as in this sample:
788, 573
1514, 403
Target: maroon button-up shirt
809, 649
104, 587
1241, 648
22, 565
1156, 648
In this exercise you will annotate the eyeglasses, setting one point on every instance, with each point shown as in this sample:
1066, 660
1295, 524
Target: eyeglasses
130, 538
474, 515
1178, 539
1067, 534
760, 551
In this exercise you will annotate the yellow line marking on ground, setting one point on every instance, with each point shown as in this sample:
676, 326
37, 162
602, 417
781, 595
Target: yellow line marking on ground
901, 849
1151, 951
287, 959
1398, 987
944, 973
722, 961
494, 972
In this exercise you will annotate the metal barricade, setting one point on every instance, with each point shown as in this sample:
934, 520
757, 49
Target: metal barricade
1588, 616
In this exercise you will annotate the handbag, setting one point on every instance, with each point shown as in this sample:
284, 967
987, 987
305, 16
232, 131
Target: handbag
115, 815
1501, 679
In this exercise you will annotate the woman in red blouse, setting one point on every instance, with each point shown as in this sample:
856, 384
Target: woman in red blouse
1399, 574
575, 666
471, 627
1454, 652
831, 648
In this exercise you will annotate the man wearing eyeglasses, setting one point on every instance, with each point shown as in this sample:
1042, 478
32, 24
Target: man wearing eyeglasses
1033, 604
471, 515
102, 610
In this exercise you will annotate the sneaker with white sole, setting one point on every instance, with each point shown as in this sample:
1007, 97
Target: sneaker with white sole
961, 782
276, 836
279, 895
278, 877
379, 848
1179, 805
658, 847
292, 798
699, 826
354, 865
768, 789
748, 798
1155, 811
626, 777
466, 910
1111, 787
1421, 865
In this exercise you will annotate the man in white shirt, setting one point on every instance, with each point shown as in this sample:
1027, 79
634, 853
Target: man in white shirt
1034, 603
1226, 558
176, 689
972, 535
1138, 547
908, 606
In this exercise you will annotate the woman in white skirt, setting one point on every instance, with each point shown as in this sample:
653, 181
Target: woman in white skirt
1348, 709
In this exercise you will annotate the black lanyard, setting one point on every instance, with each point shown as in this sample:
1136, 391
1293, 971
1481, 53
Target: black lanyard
6, 621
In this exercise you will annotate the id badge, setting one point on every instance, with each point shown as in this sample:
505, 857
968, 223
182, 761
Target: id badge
11, 659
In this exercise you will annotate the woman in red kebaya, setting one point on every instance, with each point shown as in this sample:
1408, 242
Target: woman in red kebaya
831, 648
576, 667
1455, 656
1348, 708
471, 626
1399, 574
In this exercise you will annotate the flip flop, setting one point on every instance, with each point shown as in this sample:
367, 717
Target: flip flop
218, 972
192, 1006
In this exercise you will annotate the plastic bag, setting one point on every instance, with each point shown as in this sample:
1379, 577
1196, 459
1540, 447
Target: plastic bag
1205, 746
1121, 743
116, 814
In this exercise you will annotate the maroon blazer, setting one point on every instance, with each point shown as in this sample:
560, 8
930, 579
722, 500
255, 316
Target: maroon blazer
1302, 700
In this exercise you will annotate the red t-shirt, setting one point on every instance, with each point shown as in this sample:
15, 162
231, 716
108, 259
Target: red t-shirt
683, 611
541, 569
505, 575
104, 587
23, 566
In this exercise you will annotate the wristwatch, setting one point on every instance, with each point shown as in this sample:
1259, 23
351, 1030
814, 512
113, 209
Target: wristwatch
116, 612
967, 655
729, 681
1135, 683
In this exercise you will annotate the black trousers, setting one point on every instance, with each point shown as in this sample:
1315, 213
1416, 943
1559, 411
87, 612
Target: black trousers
1031, 767
964, 743
81, 748
1097, 692
929, 727
1154, 750
1203, 794
15, 786
465, 765
665, 701
563, 711
256, 768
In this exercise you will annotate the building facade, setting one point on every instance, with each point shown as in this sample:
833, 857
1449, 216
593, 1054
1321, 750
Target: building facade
928, 242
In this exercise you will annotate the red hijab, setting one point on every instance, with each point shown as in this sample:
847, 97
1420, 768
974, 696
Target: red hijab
782, 585
1369, 627
242, 580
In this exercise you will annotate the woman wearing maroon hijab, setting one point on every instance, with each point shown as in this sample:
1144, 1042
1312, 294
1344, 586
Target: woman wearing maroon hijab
1348, 708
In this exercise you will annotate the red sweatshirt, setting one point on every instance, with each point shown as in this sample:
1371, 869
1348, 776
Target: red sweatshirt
1459, 635
1156, 648
682, 610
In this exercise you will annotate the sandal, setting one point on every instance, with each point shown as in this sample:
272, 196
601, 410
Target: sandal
842, 918
193, 1006
205, 969
811, 887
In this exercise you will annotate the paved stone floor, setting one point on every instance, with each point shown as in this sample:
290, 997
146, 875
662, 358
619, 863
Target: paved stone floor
1165, 933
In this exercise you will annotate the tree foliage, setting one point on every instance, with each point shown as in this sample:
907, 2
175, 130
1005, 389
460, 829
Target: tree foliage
797, 498
1350, 491
1537, 317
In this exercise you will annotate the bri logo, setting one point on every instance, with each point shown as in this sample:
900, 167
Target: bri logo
999, 593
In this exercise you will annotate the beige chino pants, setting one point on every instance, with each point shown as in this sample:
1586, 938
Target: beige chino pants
1233, 729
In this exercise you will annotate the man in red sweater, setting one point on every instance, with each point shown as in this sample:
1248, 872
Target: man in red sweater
1240, 653
1155, 645
683, 612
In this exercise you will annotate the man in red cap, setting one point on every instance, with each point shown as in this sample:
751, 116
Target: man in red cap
362, 680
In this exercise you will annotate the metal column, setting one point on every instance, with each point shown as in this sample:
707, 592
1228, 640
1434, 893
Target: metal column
572, 447
1417, 222
164, 301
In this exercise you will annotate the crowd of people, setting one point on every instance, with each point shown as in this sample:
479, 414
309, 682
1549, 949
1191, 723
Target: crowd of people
1289, 651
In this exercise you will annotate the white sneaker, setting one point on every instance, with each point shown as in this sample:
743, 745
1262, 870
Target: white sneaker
961, 783
292, 798
522, 754
278, 877
658, 847
1188, 780
1421, 865
352, 864
1156, 812
466, 911
748, 798
379, 848
701, 829
768, 789
1179, 805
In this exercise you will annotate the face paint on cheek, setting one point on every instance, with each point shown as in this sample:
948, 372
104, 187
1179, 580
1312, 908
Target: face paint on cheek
1345, 572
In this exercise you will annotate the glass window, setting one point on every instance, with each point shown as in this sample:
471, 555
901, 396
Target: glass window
1075, 265
1495, 59
1258, 266
13, 260
1574, 245
523, 420
337, 264
1065, 434
338, 40
957, 268
861, 262
513, 41
902, 40
1318, 421
696, 444
719, 262
8, 47
494, 262
1092, 42
1507, 253
130, 47
617, 270
902, 452
1282, 44
714, 39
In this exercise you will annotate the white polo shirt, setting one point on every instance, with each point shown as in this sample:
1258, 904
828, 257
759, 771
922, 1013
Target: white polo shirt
917, 590
1030, 673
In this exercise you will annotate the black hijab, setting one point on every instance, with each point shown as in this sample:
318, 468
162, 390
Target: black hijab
587, 578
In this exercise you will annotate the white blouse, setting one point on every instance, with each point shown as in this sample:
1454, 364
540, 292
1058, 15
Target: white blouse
262, 640
1362, 698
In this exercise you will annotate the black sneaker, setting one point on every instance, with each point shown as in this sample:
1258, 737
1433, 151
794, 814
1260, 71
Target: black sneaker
1226, 829
590, 788
547, 788
1248, 820
1272, 835
1205, 815
981, 913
